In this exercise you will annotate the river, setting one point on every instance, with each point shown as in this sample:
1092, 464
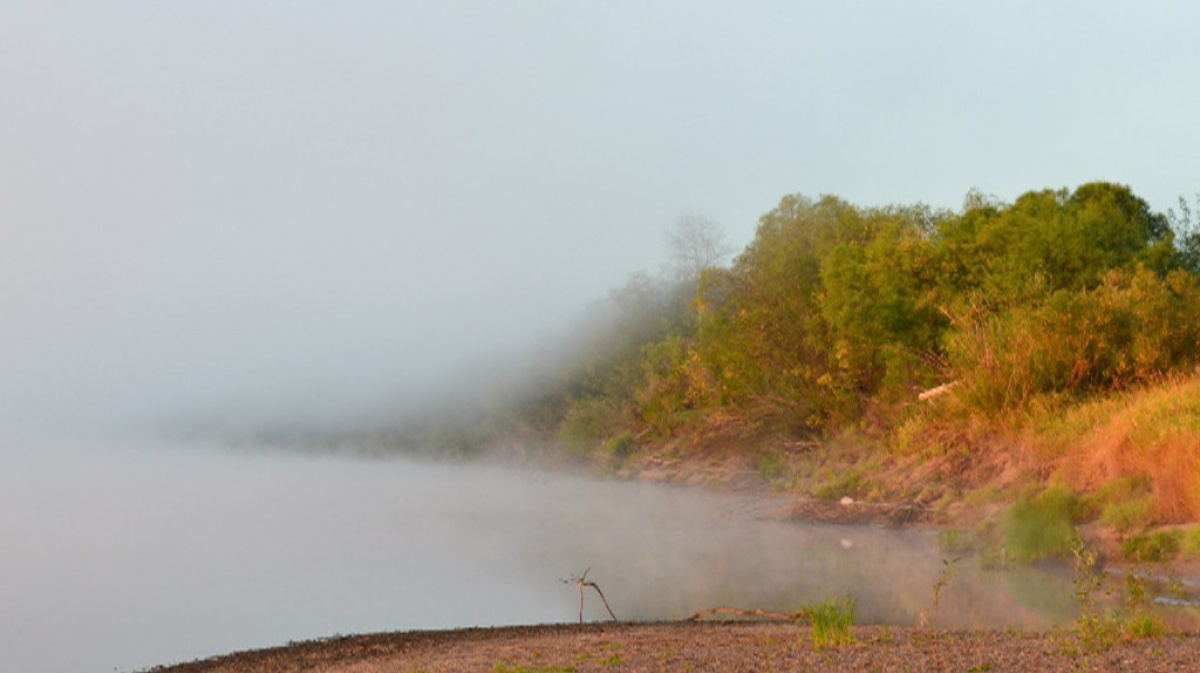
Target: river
124, 556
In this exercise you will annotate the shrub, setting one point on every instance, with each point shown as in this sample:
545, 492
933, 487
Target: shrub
588, 424
1134, 327
1041, 527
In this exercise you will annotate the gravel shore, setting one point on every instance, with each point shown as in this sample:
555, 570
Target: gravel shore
715, 646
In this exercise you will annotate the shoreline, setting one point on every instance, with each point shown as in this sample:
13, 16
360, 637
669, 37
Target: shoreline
701, 646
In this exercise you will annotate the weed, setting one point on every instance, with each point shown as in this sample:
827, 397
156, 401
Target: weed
833, 621
614, 660
1094, 629
767, 655
949, 566
1161, 545
1144, 626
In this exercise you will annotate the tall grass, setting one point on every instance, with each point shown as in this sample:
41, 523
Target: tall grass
832, 621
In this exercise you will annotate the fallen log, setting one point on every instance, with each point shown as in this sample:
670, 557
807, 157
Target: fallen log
762, 614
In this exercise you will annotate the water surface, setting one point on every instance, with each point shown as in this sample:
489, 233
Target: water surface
124, 557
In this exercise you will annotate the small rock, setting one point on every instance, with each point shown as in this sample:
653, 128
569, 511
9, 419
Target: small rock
847, 501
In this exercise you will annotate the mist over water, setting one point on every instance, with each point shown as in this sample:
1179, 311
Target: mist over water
130, 556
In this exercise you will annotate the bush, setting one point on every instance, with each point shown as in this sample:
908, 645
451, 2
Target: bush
1042, 527
1134, 327
589, 423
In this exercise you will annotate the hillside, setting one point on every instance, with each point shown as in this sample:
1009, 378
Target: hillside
1040, 354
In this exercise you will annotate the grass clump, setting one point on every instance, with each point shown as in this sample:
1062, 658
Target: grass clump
1042, 526
1156, 547
955, 541
848, 484
1129, 515
1189, 543
832, 621
771, 466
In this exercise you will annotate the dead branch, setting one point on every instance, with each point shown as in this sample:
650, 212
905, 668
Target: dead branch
938, 391
582, 581
763, 614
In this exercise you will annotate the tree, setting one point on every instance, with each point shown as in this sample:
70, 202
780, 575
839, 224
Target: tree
695, 243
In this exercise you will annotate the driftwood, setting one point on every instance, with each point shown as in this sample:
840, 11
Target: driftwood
582, 581
938, 391
763, 614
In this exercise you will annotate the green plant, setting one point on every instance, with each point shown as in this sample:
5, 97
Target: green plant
1094, 628
848, 484
949, 567
1128, 515
619, 447
1138, 623
1144, 626
886, 636
832, 621
1161, 545
1042, 526
1189, 544
772, 466
955, 541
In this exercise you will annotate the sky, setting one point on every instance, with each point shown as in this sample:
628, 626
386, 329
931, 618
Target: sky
314, 210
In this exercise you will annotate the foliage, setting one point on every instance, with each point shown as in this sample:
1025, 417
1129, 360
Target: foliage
1155, 547
1041, 526
955, 541
832, 621
845, 484
1189, 543
772, 466
1128, 515
835, 316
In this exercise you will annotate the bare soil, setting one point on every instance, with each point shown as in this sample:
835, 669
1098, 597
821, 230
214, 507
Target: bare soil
709, 646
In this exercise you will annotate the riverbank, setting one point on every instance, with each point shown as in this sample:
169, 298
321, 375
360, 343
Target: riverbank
728, 647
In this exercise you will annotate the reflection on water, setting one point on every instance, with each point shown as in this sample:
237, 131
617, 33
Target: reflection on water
122, 558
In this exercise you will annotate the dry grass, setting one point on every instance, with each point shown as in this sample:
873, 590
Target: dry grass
1152, 434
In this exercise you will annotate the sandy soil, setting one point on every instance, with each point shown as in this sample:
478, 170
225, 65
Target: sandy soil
720, 646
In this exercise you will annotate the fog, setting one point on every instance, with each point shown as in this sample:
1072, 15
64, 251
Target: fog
125, 556
229, 216
282, 213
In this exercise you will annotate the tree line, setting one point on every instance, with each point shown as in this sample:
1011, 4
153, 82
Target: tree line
835, 313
